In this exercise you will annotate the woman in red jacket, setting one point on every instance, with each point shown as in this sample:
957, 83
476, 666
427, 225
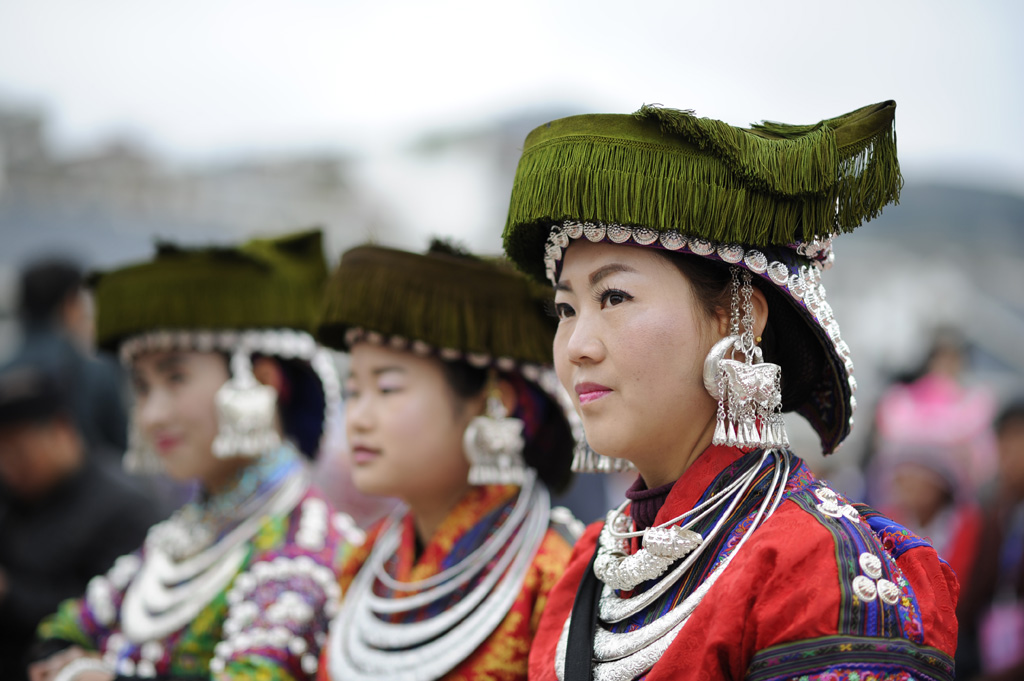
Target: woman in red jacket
687, 256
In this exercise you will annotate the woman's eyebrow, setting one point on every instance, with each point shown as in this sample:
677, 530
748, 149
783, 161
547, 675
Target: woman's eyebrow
169, 363
611, 268
384, 370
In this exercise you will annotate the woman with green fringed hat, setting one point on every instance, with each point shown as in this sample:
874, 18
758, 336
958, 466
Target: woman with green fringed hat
687, 259
450, 408
231, 391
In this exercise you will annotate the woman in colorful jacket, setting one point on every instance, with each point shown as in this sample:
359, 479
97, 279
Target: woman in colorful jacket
449, 409
686, 256
230, 391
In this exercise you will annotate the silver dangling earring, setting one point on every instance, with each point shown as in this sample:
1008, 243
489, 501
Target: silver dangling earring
493, 444
749, 391
586, 460
246, 411
140, 458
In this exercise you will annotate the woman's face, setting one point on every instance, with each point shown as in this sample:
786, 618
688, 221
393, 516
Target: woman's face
630, 350
405, 427
176, 412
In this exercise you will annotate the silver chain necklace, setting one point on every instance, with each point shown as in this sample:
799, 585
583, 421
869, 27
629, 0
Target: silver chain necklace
623, 656
167, 593
365, 644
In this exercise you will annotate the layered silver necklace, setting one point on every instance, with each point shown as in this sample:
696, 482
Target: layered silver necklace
365, 644
623, 656
184, 568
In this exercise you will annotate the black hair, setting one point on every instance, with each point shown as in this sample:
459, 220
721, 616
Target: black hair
1012, 414
549, 449
798, 353
300, 403
45, 286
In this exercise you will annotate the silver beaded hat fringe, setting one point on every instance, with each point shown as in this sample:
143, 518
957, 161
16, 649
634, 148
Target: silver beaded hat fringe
245, 407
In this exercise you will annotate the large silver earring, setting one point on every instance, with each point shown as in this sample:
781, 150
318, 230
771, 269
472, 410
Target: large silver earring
493, 444
140, 458
749, 391
586, 460
246, 413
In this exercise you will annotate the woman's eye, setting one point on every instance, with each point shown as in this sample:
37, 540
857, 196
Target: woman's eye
349, 393
389, 389
177, 378
564, 311
614, 297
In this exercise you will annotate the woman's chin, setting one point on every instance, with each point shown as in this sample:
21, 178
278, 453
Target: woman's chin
371, 483
612, 445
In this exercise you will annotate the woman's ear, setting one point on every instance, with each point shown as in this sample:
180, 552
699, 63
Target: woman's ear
268, 372
508, 396
760, 304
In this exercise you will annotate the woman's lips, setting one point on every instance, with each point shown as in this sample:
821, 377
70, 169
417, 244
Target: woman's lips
362, 455
165, 443
588, 392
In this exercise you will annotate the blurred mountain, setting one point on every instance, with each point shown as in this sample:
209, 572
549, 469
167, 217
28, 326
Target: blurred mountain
949, 216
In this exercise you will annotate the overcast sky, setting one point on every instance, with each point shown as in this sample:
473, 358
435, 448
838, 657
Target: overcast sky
201, 79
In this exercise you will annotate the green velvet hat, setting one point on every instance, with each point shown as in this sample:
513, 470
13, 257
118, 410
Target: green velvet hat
767, 198
264, 283
443, 302
259, 298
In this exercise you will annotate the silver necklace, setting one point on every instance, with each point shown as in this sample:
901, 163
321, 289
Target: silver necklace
366, 645
622, 656
167, 594
662, 544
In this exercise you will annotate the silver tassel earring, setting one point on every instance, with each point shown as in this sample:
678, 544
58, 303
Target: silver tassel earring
493, 443
586, 460
140, 458
246, 412
749, 391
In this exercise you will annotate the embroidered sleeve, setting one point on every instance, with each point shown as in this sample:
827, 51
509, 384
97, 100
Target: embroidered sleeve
88, 621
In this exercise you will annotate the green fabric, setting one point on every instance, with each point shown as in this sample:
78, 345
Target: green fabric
264, 283
666, 169
444, 298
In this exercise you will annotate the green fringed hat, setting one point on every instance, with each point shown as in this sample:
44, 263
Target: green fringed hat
768, 198
443, 303
264, 283
261, 297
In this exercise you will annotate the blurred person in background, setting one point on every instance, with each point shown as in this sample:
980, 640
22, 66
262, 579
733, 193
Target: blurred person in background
992, 608
233, 392
937, 407
450, 409
56, 315
926, 489
65, 515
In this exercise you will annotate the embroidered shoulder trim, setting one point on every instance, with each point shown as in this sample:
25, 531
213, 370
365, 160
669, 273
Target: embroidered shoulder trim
851, 657
876, 598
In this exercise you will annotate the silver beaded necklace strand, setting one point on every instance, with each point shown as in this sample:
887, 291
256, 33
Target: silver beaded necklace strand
623, 656
365, 644
170, 591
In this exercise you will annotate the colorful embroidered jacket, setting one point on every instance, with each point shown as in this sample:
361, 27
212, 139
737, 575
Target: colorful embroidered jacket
822, 590
502, 656
266, 623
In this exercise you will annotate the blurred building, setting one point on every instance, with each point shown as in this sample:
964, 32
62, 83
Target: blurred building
946, 256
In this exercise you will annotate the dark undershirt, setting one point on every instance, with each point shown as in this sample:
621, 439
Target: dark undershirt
644, 503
